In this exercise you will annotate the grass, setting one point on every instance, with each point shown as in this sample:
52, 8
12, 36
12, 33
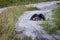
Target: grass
30, 1
46, 26
32, 8
5, 3
57, 17
53, 29
8, 19
7, 22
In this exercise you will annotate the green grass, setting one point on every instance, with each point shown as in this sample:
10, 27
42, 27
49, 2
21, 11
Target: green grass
47, 27
57, 17
7, 22
5, 3
32, 8
52, 29
30, 1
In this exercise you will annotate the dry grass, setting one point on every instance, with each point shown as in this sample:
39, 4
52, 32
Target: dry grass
8, 20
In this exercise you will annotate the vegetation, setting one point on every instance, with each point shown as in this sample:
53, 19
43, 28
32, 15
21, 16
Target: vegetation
52, 29
32, 8
5, 3
57, 17
8, 20
47, 27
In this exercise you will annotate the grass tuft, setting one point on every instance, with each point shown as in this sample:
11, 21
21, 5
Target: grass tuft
7, 22
51, 29
32, 8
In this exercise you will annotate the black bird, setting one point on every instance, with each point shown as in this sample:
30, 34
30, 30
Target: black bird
40, 17
33, 17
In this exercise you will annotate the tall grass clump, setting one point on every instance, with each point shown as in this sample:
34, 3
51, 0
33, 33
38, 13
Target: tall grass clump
57, 17
32, 8
7, 22
47, 27
53, 29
